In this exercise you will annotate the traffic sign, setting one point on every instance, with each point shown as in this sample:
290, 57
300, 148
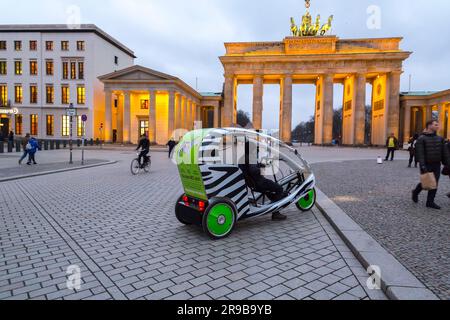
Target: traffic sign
84, 118
71, 112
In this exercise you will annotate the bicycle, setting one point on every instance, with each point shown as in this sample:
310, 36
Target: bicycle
136, 168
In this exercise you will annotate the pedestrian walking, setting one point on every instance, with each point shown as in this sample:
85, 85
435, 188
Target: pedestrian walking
26, 147
11, 136
446, 170
32, 151
431, 152
392, 146
412, 150
171, 144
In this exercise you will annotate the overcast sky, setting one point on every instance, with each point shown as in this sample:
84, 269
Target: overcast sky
185, 37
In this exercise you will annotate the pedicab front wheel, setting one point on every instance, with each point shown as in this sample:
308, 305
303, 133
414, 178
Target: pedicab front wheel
219, 218
308, 201
135, 167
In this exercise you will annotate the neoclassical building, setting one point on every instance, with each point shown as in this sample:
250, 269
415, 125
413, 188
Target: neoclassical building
140, 101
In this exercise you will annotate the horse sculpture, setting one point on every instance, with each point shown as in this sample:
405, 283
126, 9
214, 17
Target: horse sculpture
326, 26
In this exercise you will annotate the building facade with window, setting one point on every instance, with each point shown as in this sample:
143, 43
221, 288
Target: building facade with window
45, 68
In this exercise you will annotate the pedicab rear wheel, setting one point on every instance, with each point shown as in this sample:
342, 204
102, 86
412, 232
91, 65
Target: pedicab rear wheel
308, 201
219, 218
179, 212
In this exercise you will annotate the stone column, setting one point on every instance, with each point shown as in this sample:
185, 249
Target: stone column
441, 110
107, 126
228, 109
327, 108
152, 117
177, 111
394, 103
216, 116
429, 113
360, 108
189, 114
258, 92
406, 123
127, 117
184, 120
171, 124
287, 110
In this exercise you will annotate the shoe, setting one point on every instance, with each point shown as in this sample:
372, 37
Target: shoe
29, 163
20, 162
448, 195
415, 197
409, 166
278, 217
34, 163
433, 206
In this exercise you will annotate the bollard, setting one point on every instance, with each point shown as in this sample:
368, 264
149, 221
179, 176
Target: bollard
58, 144
97, 141
64, 144
78, 143
10, 146
40, 143
52, 144
91, 142
45, 145
18, 146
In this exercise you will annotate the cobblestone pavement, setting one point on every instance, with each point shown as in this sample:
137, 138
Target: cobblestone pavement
25, 170
121, 230
378, 197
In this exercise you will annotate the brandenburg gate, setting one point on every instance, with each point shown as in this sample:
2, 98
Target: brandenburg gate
312, 56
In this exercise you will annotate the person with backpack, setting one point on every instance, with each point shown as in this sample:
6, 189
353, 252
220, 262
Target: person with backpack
34, 147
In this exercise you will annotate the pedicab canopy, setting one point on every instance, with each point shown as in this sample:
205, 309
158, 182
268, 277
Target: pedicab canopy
230, 147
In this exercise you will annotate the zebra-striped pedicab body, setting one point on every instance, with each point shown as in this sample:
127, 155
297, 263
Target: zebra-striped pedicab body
217, 194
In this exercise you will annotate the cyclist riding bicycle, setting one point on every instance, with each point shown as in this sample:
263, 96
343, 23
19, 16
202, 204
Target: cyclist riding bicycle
144, 145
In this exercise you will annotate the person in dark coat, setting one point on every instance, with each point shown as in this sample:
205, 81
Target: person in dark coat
171, 144
392, 146
144, 145
11, 137
412, 150
431, 152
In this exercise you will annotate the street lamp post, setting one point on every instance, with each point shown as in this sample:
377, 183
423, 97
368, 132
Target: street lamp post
71, 133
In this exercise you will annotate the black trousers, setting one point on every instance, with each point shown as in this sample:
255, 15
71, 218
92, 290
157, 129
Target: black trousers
143, 154
436, 169
391, 153
412, 158
270, 188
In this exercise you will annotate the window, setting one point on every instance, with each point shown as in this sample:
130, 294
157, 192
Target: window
144, 104
49, 45
50, 94
34, 124
33, 93
65, 128
80, 70
80, 127
2, 45
116, 59
143, 127
18, 67
18, 45
65, 95
64, 45
49, 67
33, 67
81, 95
18, 93
50, 124
33, 45
3, 95
18, 128
65, 70
80, 45
73, 70
3, 68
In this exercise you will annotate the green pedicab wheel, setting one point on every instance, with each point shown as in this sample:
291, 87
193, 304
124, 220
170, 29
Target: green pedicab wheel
179, 213
219, 218
307, 202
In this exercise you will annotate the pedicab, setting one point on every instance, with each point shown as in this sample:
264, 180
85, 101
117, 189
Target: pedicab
218, 193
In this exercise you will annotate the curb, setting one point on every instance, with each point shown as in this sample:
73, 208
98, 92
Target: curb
397, 282
45, 173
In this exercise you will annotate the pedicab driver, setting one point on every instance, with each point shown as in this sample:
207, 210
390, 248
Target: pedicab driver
252, 170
